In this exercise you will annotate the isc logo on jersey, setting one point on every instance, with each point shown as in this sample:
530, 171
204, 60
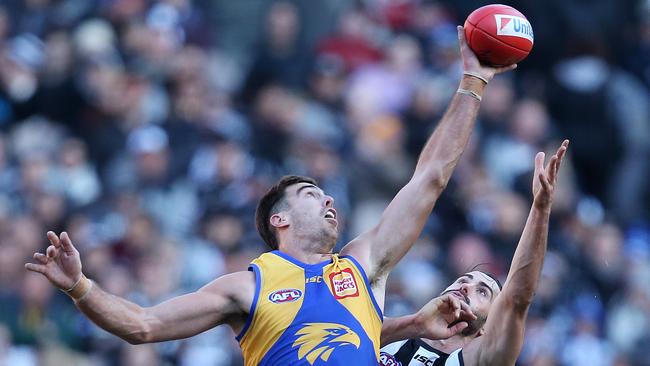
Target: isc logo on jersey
510, 25
285, 295
426, 359
344, 284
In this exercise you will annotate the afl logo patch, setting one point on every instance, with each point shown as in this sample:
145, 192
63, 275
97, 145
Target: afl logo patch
285, 295
344, 284
386, 359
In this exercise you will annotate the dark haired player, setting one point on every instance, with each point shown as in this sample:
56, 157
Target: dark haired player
496, 335
300, 304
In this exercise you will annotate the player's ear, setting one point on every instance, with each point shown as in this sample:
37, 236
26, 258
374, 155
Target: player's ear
480, 332
280, 219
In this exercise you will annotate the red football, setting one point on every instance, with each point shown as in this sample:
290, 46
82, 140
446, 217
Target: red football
498, 34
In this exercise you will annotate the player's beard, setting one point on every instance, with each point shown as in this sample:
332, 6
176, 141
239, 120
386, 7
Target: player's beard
474, 326
321, 236
327, 237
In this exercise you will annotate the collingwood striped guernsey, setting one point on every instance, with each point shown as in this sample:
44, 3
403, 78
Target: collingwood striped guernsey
415, 352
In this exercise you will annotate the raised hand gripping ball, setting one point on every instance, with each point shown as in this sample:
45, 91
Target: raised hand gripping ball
499, 34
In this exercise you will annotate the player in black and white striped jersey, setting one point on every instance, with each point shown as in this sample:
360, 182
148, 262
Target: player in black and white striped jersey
443, 334
474, 291
416, 352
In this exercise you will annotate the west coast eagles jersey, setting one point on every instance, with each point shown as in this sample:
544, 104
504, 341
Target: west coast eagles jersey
311, 314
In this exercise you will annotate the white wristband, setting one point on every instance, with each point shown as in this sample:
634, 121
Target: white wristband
75, 284
471, 93
476, 75
90, 287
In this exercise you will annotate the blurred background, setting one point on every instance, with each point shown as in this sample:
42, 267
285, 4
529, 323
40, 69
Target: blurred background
149, 129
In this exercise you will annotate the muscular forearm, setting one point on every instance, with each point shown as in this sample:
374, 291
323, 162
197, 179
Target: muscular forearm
528, 259
396, 329
226, 299
115, 315
179, 317
445, 146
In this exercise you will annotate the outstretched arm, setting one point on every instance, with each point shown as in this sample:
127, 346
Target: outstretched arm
382, 247
440, 318
217, 303
504, 329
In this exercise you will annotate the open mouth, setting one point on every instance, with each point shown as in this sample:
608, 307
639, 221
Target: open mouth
460, 296
331, 214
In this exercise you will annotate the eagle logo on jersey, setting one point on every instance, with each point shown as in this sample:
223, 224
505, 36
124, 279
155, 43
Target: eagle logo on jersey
319, 340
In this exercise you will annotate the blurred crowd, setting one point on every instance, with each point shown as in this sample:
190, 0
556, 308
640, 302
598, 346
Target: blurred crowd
149, 129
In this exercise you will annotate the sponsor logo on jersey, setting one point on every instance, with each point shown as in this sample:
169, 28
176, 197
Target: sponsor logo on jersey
314, 279
285, 295
320, 340
510, 25
426, 359
386, 359
344, 284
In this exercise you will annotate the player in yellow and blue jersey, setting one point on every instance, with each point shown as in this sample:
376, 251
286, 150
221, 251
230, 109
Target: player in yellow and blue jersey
300, 304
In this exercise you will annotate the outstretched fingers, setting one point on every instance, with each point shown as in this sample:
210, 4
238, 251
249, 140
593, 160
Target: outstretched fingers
38, 268
561, 152
54, 240
52, 252
41, 258
67, 243
461, 38
546, 186
539, 162
552, 168
556, 160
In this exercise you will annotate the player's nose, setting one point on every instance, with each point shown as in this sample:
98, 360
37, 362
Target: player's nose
328, 201
464, 288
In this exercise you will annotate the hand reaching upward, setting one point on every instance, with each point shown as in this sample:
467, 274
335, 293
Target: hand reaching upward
472, 64
545, 177
61, 264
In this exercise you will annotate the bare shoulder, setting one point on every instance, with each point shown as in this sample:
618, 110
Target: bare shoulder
359, 249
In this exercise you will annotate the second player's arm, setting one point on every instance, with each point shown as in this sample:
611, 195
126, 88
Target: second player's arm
433, 321
504, 329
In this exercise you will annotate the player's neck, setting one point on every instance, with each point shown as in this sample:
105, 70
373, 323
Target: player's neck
448, 345
304, 253
305, 248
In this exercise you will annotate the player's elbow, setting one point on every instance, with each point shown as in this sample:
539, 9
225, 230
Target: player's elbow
434, 178
133, 340
140, 336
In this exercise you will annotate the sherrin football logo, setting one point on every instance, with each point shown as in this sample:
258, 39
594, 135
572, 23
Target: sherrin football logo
320, 340
510, 25
285, 295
